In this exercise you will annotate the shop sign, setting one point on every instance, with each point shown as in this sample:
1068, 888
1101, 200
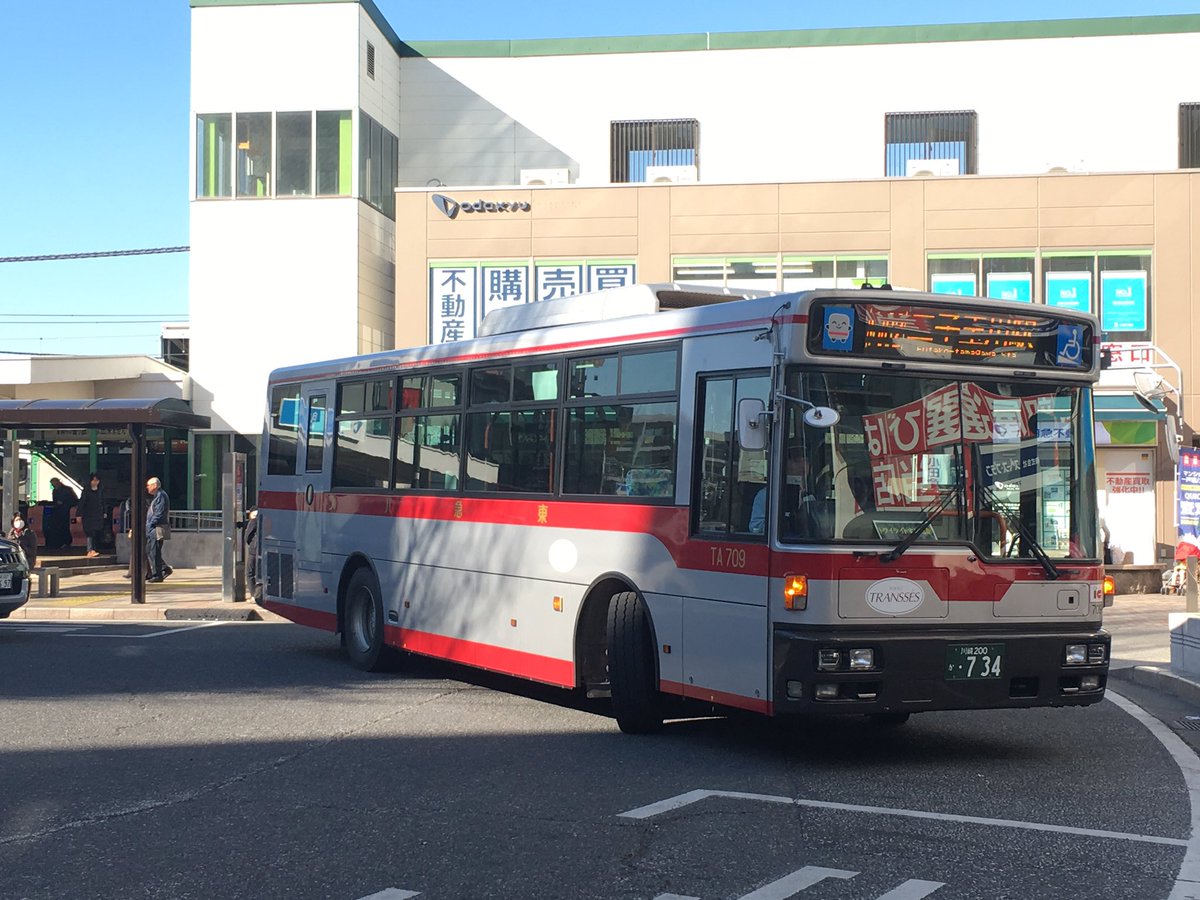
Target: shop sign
960, 285
450, 208
1127, 482
1129, 354
1069, 290
1123, 301
452, 293
1188, 498
1015, 286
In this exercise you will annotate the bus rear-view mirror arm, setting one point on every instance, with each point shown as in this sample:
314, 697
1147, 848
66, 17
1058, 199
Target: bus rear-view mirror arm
752, 415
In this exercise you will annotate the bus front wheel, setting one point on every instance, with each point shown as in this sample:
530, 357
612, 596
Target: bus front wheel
631, 671
362, 628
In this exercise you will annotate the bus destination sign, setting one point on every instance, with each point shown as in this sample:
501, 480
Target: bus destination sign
937, 334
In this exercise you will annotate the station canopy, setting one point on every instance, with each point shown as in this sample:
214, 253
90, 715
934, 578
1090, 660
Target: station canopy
102, 413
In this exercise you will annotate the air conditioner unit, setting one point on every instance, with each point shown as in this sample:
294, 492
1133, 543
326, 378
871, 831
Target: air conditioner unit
546, 176
672, 174
928, 167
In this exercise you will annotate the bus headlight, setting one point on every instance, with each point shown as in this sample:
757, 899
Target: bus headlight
862, 659
1076, 655
1095, 654
829, 659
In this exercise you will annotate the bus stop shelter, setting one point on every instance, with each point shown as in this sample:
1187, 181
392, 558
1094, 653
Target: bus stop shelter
135, 414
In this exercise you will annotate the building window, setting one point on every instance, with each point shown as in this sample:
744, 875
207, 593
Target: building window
1189, 135
252, 162
638, 145
377, 173
293, 153
334, 153
938, 143
287, 140
1001, 276
789, 273
214, 139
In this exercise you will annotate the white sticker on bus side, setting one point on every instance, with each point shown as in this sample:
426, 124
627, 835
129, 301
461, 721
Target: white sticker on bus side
895, 596
563, 555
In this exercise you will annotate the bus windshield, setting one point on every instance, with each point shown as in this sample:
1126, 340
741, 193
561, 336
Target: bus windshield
1003, 466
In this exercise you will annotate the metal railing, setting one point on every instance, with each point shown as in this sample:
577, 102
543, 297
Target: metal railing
194, 520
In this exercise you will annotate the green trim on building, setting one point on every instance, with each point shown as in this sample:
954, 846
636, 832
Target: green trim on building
1114, 26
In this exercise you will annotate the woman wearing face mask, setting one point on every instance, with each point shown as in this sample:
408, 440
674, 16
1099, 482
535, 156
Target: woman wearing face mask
24, 535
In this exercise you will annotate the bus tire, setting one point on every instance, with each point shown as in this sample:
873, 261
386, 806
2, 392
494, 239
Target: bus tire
362, 628
631, 671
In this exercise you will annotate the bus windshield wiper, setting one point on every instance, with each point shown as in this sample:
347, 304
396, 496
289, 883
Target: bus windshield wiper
1031, 542
911, 538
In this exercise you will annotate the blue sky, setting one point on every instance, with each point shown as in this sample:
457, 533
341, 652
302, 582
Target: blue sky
94, 147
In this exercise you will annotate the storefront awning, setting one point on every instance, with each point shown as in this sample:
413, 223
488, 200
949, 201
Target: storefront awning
1126, 408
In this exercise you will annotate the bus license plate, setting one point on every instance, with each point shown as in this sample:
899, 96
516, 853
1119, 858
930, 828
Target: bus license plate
5, 581
971, 662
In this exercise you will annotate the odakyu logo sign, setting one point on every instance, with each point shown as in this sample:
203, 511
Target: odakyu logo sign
450, 208
838, 330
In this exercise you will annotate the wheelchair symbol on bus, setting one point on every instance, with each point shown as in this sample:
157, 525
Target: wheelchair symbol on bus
1070, 345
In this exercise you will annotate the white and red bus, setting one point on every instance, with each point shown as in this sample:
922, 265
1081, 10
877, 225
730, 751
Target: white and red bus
873, 502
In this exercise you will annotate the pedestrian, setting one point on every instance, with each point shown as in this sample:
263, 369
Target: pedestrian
252, 551
91, 511
62, 500
24, 536
158, 529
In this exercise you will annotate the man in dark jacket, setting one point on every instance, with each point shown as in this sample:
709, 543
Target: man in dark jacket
252, 552
62, 500
157, 529
91, 511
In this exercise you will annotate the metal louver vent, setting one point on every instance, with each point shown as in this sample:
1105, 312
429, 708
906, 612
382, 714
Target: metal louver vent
652, 142
370, 60
1189, 135
925, 136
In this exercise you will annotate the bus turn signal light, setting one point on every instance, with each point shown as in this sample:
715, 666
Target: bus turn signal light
1110, 586
795, 591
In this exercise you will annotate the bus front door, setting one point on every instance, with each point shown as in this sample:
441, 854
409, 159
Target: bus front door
315, 504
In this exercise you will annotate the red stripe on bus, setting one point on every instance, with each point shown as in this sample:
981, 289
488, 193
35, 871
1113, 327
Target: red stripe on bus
559, 672
721, 698
613, 341
671, 526
302, 615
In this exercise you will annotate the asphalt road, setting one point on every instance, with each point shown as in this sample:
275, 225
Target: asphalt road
249, 760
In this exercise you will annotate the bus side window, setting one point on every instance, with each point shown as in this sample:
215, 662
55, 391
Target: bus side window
283, 442
731, 494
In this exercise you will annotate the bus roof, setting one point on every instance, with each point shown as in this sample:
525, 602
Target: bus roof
638, 314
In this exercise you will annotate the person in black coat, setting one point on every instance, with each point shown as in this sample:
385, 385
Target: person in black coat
62, 500
252, 551
91, 511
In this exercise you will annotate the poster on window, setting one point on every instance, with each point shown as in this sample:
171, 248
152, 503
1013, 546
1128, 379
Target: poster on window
503, 285
1015, 286
1123, 301
961, 284
601, 276
1188, 498
556, 281
1069, 290
452, 293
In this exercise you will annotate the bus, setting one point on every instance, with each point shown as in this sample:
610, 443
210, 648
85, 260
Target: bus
870, 502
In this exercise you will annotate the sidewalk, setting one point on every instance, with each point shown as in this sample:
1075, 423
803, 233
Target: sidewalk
1141, 649
102, 593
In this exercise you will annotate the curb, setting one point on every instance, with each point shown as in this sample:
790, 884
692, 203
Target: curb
1160, 678
241, 612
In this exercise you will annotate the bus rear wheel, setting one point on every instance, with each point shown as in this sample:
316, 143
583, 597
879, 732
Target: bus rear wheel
631, 672
362, 626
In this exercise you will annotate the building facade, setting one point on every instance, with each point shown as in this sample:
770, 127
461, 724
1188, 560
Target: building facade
353, 192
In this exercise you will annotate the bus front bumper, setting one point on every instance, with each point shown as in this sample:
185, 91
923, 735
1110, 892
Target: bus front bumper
841, 671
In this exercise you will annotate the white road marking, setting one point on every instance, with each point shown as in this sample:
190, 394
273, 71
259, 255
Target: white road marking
790, 885
674, 897
645, 812
392, 894
33, 628
913, 889
152, 634
1187, 882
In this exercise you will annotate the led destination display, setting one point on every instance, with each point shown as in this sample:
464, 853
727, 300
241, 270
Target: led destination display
934, 334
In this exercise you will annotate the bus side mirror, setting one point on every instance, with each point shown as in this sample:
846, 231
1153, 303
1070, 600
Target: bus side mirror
751, 418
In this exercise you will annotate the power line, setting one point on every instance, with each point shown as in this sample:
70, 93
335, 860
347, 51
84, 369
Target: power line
47, 257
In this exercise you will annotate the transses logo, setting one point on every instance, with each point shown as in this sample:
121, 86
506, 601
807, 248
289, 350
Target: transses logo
895, 596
